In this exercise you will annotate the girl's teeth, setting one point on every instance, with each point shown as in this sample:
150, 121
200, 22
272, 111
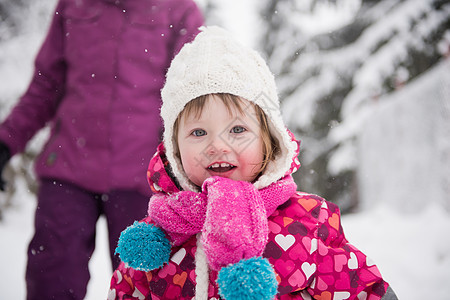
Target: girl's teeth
221, 165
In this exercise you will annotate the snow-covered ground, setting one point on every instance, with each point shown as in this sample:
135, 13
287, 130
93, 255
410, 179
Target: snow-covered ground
16, 231
412, 251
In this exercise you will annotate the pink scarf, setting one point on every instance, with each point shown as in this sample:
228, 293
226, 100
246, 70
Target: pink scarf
231, 215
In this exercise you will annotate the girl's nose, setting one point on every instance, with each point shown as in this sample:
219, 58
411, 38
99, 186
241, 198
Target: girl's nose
218, 146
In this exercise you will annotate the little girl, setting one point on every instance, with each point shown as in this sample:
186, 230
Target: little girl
226, 221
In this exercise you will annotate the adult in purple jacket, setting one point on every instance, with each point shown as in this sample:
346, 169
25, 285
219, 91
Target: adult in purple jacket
97, 82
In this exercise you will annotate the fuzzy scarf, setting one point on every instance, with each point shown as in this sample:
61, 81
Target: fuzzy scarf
230, 215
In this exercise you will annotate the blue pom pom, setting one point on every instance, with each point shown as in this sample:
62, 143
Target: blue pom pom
143, 247
249, 279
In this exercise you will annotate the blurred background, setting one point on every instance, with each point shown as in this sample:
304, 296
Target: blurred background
365, 86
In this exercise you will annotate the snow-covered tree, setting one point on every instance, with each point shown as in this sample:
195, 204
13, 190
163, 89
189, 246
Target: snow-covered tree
332, 60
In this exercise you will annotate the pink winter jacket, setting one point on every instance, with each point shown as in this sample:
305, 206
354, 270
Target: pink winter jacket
306, 247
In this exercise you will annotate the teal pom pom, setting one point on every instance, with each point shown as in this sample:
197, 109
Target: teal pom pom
249, 279
143, 247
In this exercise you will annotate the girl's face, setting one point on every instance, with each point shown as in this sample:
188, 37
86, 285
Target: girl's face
220, 143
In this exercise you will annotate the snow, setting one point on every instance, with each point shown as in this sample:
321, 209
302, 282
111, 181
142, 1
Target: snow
380, 64
241, 14
17, 52
337, 14
412, 251
17, 229
404, 146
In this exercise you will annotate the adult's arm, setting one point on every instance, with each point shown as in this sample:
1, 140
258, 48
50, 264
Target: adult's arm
39, 103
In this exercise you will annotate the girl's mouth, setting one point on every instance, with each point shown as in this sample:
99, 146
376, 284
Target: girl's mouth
221, 167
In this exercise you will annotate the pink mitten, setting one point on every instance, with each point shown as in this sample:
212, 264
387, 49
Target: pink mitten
180, 214
236, 223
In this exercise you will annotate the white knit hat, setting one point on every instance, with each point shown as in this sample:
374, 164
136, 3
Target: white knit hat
216, 63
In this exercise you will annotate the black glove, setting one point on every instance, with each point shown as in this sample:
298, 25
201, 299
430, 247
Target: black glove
5, 155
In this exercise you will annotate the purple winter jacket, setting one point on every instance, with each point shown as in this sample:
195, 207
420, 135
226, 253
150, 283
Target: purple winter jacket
97, 82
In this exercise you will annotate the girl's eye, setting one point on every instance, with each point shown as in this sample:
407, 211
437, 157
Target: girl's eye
238, 129
199, 132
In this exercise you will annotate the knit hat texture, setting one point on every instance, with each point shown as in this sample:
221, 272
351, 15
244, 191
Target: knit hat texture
214, 62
